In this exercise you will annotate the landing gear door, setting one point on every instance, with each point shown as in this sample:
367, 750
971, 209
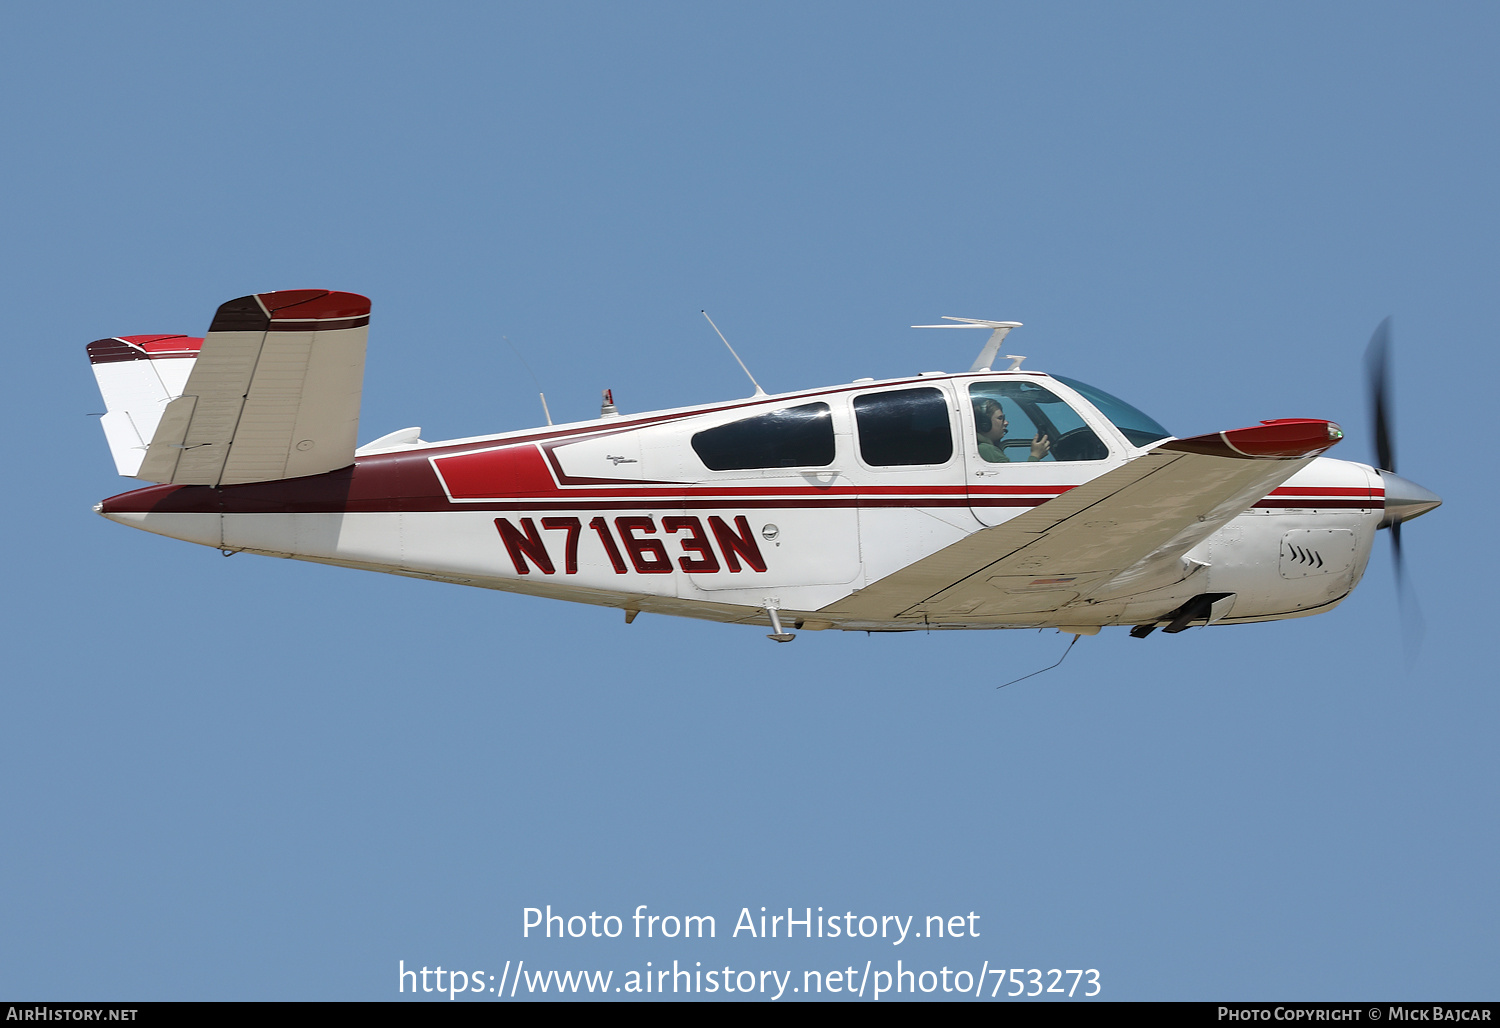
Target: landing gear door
1023, 445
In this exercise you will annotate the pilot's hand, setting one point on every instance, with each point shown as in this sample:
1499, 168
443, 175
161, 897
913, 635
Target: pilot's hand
1039, 446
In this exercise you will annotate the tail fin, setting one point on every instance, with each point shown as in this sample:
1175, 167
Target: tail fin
138, 376
272, 392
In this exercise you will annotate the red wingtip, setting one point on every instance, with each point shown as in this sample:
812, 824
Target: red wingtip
297, 310
300, 304
161, 346
139, 348
1283, 439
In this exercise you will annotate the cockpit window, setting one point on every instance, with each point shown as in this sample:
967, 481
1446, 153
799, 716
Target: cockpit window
1022, 421
797, 437
1133, 425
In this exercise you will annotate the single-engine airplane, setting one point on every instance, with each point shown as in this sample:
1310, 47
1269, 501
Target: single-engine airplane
1002, 498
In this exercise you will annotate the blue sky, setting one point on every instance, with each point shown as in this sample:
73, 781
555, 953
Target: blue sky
257, 779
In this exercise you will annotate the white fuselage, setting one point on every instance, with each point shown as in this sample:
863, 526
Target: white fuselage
625, 512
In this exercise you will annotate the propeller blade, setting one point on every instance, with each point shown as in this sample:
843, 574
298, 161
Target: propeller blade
1377, 368
1382, 413
1413, 624
1396, 556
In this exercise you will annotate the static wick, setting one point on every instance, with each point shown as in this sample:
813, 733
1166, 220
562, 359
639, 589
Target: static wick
758, 390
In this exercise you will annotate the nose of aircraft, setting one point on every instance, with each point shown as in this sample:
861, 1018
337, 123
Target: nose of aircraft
1405, 500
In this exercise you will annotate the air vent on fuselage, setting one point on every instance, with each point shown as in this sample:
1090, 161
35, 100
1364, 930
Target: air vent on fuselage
1319, 551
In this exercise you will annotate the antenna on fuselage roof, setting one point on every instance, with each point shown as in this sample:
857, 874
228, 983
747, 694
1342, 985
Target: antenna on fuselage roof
758, 390
987, 355
538, 385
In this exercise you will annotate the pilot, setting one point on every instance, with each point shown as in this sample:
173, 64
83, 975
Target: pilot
990, 423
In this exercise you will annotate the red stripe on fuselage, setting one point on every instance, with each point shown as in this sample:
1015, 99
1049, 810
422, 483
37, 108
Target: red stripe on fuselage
406, 482
1308, 490
1319, 504
513, 475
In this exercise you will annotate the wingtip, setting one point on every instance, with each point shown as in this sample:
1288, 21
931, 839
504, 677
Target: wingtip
259, 311
1281, 439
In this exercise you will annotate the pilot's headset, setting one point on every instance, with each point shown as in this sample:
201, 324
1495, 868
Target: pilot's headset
985, 409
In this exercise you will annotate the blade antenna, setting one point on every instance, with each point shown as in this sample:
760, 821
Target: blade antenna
534, 382
999, 330
758, 390
1049, 667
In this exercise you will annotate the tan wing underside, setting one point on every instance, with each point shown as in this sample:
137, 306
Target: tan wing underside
262, 406
1127, 528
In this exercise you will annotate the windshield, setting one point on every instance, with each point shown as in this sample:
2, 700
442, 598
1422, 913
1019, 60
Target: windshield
1133, 425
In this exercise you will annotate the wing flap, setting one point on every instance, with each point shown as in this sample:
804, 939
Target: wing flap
1138, 519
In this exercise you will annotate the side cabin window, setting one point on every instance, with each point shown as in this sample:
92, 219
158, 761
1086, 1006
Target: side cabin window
1017, 422
797, 437
904, 427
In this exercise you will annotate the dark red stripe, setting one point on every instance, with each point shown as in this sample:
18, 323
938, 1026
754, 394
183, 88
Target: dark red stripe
1325, 491
242, 314
681, 503
788, 492
406, 482
112, 351
201, 499
1285, 504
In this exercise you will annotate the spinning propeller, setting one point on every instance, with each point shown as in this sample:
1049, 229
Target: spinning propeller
1404, 499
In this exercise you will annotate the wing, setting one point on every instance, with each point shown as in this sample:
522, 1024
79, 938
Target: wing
274, 393
1123, 527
